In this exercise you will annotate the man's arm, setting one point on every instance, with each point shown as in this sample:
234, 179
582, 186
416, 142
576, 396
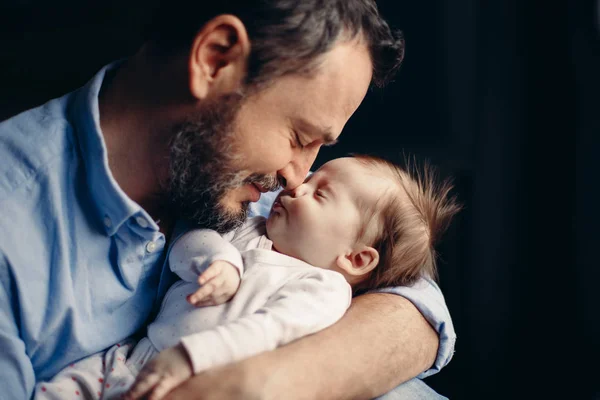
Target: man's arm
381, 341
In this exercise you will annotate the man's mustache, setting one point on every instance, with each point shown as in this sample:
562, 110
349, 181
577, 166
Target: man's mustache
269, 182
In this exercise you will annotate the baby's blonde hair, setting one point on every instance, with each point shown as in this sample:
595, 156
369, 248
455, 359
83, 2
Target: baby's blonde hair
406, 223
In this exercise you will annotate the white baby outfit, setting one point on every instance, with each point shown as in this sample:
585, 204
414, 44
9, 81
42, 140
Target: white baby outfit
280, 299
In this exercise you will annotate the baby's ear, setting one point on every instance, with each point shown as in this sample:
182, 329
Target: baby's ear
360, 262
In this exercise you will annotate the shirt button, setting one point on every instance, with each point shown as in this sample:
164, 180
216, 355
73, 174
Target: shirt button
107, 221
150, 247
142, 222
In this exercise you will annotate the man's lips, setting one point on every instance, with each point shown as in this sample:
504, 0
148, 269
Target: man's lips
254, 193
260, 187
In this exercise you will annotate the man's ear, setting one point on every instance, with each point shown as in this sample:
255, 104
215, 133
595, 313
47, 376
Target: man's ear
359, 262
219, 57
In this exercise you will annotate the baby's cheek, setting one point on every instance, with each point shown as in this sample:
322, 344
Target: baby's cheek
309, 216
318, 248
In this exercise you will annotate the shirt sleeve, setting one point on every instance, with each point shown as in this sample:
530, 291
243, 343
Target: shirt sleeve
303, 306
17, 378
197, 249
426, 295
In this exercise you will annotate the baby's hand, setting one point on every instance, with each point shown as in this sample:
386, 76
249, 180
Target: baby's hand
219, 283
168, 369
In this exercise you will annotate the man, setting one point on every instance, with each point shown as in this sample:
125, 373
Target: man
221, 102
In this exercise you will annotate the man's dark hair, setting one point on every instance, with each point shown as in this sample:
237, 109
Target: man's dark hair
287, 36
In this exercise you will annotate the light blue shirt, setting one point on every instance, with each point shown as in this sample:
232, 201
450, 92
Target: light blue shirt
81, 264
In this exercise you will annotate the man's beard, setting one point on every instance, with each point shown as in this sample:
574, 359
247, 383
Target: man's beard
203, 160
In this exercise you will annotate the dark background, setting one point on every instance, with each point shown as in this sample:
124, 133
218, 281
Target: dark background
503, 96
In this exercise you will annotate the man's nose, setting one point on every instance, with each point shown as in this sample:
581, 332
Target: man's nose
293, 174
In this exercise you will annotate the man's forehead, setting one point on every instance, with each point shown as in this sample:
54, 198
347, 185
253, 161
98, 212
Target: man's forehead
350, 69
337, 89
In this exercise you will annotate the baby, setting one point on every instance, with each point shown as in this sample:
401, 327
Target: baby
354, 225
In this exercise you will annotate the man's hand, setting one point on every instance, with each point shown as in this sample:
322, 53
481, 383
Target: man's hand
218, 284
166, 371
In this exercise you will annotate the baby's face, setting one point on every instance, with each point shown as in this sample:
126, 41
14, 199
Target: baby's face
321, 219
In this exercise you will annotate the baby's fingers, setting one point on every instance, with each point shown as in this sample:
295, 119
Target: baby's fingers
205, 303
212, 271
201, 294
142, 386
164, 387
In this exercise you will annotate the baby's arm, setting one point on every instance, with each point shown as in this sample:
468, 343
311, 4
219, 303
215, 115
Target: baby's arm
203, 256
303, 306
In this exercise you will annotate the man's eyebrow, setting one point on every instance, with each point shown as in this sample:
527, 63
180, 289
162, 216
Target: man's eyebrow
323, 132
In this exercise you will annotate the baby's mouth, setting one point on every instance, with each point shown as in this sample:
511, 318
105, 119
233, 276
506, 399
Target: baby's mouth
277, 204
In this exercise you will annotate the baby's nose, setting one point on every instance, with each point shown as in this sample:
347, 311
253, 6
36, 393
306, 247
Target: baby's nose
299, 191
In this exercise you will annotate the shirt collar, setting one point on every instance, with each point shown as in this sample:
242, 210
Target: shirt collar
113, 206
